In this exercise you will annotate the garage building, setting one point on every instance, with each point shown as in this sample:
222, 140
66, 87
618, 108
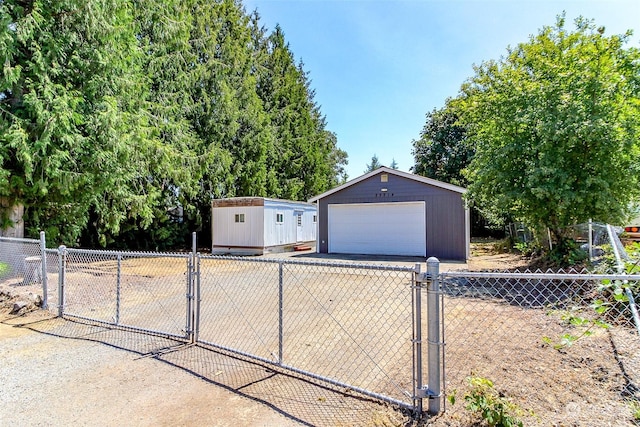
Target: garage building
390, 212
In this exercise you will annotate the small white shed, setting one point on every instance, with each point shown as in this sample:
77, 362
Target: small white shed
258, 225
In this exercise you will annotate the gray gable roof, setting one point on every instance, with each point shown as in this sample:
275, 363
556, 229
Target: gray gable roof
384, 169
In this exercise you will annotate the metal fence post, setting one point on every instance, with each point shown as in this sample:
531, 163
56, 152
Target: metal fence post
118, 287
416, 300
189, 296
433, 334
590, 238
198, 299
280, 313
43, 251
62, 267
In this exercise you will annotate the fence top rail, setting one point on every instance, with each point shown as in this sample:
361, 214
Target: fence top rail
354, 265
138, 254
543, 276
18, 240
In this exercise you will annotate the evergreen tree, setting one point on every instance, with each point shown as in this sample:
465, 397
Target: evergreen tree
304, 159
375, 164
74, 137
118, 113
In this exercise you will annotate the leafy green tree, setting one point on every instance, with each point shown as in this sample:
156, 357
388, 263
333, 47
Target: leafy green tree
375, 164
555, 125
285, 100
443, 150
74, 136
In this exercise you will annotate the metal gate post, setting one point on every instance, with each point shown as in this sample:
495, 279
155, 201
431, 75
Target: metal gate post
118, 287
416, 297
43, 252
280, 313
189, 296
198, 299
433, 334
62, 267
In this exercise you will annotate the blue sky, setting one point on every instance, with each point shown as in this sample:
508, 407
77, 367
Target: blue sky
378, 66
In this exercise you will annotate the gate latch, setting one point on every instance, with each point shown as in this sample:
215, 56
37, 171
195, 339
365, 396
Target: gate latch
423, 279
426, 393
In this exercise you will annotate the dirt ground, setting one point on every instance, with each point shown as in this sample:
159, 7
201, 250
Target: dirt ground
59, 372
51, 376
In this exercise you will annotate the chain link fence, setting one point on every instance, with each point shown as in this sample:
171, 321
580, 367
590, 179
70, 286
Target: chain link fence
557, 347
347, 325
139, 291
28, 264
561, 346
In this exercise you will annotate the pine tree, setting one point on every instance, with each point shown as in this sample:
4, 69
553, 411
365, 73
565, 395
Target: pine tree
74, 139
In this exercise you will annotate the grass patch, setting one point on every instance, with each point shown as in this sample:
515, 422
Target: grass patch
4, 268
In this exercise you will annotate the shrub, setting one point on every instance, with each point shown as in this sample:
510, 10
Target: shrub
494, 408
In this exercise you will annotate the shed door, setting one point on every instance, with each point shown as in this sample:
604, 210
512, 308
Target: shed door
394, 228
298, 219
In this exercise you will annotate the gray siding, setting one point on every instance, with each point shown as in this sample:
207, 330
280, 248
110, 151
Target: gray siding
445, 212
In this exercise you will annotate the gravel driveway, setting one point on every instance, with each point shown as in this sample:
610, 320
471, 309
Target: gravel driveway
52, 379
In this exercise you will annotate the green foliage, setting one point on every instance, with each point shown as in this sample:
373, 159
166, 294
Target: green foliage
4, 268
633, 251
549, 123
303, 159
495, 409
634, 405
375, 164
113, 113
567, 252
74, 136
443, 150
583, 326
525, 248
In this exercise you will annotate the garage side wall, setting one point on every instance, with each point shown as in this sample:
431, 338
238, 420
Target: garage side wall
445, 212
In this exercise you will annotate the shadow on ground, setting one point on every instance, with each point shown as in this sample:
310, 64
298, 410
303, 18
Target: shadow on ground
300, 399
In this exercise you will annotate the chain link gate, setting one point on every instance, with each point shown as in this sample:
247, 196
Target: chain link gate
356, 327
141, 291
347, 325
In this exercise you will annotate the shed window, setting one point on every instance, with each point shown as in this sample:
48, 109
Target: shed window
279, 218
384, 177
239, 217
299, 220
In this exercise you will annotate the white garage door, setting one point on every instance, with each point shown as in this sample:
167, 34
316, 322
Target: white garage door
394, 228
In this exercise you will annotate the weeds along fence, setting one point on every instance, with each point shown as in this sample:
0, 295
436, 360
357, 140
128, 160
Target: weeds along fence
548, 340
542, 338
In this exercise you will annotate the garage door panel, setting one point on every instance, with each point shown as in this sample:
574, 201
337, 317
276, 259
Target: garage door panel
378, 228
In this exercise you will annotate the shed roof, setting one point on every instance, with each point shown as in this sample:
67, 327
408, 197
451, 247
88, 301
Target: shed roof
252, 201
384, 169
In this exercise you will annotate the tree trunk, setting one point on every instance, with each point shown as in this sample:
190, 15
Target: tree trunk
11, 223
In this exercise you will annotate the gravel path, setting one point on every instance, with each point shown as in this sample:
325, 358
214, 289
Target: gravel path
48, 380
